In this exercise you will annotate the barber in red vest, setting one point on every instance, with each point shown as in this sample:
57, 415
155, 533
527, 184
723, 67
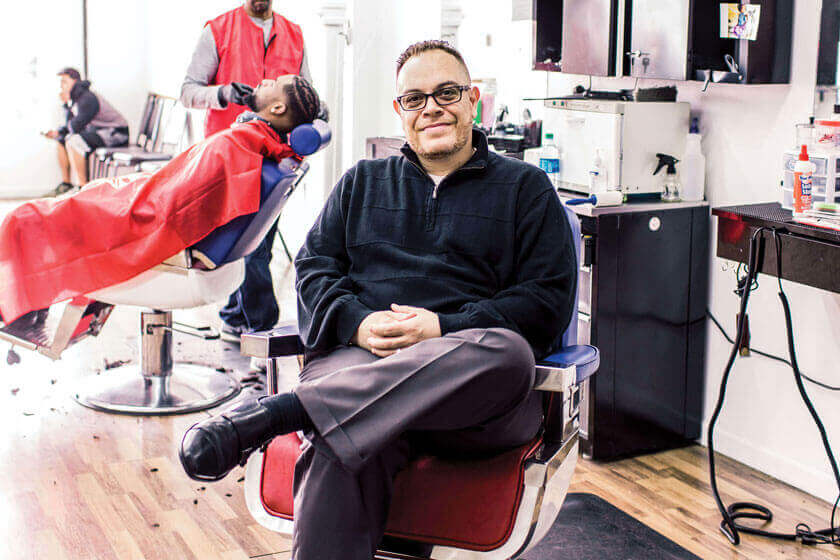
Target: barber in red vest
236, 51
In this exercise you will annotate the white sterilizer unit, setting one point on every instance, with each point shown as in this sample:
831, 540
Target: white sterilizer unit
628, 135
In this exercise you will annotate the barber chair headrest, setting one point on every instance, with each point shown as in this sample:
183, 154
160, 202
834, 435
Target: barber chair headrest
306, 139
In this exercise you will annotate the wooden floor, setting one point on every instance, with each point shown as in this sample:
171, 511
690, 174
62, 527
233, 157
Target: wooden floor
669, 492
80, 484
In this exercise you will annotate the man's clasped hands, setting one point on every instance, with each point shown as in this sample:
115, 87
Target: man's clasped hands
387, 332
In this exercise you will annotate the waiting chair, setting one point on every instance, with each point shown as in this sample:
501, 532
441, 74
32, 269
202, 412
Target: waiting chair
147, 133
170, 137
204, 273
489, 508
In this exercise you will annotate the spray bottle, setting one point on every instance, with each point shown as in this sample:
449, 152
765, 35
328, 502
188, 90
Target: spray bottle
803, 172
671, 184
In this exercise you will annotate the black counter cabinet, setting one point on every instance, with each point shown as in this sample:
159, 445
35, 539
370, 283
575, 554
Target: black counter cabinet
643, 289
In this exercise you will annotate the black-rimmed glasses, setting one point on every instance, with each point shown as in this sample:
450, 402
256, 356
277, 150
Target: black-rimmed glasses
444, 96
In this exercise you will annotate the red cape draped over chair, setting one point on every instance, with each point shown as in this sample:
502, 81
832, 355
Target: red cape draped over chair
114, 229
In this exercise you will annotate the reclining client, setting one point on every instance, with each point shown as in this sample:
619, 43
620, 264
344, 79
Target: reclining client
52, 250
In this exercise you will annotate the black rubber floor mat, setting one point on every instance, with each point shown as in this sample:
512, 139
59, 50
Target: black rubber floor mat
589, 528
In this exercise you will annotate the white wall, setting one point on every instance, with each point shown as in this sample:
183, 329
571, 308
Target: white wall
381, 30
746, 128
117, 64
32, 54
765, 424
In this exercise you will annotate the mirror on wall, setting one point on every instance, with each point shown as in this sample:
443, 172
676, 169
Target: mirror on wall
828, 72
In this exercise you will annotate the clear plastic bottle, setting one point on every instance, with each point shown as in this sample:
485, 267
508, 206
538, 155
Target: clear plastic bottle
598, 174
550, 159
693, 166
671, 182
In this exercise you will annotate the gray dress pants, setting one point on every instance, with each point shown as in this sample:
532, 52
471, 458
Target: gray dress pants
466, 393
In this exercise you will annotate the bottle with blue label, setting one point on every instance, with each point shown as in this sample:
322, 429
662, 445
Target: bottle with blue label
550, 160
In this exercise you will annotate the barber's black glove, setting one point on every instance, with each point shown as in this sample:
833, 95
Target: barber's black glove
323, 113
238, 94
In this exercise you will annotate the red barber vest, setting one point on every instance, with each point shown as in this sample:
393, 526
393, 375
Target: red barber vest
243, 57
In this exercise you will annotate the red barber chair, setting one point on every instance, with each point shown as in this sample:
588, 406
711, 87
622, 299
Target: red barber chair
489, 508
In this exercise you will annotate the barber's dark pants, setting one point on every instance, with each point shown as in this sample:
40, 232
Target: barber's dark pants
468, 392
253, 305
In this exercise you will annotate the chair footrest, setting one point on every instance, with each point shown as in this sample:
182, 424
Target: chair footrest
133, 159
282, 340
50, 331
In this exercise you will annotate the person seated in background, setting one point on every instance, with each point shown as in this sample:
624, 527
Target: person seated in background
113, 229
91, 122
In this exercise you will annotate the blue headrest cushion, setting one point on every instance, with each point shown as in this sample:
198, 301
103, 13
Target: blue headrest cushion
307, 139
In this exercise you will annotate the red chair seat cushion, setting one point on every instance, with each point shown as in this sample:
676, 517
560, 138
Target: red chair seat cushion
468, 504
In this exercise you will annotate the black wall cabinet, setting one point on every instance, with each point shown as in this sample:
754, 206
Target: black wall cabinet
672, 40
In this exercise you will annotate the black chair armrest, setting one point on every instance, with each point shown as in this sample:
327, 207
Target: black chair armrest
279, 341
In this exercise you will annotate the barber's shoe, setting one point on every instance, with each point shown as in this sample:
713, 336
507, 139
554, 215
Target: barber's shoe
232, 333
211, 448
62, 188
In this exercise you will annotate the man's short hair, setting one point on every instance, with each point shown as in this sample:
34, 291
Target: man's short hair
430, 45
302, 101
70, 72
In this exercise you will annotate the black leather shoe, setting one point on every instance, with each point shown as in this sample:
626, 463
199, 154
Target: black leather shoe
211, 448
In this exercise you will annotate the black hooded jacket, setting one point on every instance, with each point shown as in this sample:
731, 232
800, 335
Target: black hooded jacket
489, 247
87, 106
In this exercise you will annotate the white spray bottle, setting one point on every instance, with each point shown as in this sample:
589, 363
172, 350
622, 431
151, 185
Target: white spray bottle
693, 166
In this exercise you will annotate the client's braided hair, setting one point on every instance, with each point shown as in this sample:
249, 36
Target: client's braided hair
303, 101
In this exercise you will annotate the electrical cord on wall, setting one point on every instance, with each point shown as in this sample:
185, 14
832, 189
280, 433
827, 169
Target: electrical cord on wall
768, 355
747, 510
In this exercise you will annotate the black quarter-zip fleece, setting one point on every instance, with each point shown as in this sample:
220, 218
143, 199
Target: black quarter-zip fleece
490, 247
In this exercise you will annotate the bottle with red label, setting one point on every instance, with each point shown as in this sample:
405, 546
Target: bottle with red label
803, 173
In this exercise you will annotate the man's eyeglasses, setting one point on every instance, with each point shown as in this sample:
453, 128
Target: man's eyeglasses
443, 96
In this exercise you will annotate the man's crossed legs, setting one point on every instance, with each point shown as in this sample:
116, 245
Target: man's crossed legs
469, 392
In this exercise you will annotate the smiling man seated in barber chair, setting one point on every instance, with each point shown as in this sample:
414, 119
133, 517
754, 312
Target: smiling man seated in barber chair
426, 288
114, 229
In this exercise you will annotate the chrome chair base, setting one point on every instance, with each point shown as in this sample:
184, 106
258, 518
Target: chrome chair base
189, 388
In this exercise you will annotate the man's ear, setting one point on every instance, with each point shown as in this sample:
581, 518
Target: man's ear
475, 95
396, 107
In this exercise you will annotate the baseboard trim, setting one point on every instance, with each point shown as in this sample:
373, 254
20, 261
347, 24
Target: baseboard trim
23, 193
817, 482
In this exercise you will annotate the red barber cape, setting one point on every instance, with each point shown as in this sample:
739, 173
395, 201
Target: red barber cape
114, 229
